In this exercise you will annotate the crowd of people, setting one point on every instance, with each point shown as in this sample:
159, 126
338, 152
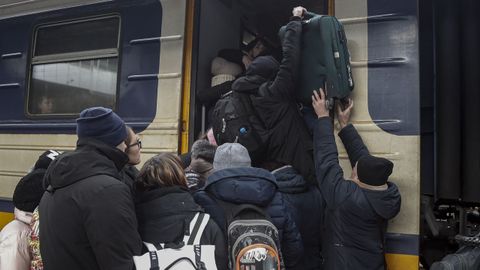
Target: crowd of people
92, 209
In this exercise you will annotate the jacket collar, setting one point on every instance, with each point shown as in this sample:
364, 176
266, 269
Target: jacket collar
119, 158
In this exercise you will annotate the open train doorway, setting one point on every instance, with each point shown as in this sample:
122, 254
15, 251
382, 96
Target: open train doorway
228, 24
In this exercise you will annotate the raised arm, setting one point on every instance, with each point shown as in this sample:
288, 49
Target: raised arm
335, 189
284, 83
351, 139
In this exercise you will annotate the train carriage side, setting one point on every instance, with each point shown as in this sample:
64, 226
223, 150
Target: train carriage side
127, 55
383, 42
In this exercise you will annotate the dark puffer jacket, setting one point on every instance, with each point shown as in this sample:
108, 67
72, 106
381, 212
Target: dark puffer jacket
289, 141
258, 187
355, 218
88, 214
306, 205
163, 214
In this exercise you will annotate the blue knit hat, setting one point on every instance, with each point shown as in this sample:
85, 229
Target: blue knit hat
102, 124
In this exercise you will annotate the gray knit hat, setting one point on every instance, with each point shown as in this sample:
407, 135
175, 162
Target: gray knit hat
203, 149
231, 155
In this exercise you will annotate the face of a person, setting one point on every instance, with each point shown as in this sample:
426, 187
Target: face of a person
46, 105
133, 149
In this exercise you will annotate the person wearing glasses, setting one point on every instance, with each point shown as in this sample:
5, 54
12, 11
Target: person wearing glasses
88, 218
133, 150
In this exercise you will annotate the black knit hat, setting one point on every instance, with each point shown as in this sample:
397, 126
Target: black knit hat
45, 159
374, 171
203, 149
102, 124
29, 191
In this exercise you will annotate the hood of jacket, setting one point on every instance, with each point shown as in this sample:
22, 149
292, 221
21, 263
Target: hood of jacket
289, 180
167, 200
91, 157
265, 66
243, 185
386, 203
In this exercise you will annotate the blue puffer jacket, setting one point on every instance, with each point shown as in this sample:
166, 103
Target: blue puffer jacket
306, 205
254, 186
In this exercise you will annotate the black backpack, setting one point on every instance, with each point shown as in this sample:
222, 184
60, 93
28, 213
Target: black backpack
235, 120
253, 240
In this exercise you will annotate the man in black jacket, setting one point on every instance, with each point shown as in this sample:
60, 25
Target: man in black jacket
289, 141
87, 214
357, 211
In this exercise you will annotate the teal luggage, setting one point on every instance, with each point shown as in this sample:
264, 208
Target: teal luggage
325, 60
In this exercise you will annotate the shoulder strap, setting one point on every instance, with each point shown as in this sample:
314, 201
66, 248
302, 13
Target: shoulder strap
197, 226
152, 252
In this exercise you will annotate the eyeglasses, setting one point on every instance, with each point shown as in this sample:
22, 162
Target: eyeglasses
139, 143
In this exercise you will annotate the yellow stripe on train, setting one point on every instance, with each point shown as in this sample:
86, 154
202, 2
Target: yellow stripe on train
401, 262
5, 217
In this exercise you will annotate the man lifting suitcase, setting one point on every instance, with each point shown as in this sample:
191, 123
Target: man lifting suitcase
357, 211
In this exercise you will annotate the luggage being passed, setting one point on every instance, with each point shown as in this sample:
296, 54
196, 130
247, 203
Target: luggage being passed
185, 255
325, 60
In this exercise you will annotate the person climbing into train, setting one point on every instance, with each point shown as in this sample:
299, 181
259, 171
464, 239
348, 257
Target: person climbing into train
226, 67
357, 209
15, 250
272, 85
87, 213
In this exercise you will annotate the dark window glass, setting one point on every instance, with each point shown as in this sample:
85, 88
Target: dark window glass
76, 37
70, 87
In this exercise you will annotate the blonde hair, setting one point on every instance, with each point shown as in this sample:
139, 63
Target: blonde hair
161, 170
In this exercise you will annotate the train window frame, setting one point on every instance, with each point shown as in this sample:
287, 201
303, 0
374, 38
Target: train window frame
92, 55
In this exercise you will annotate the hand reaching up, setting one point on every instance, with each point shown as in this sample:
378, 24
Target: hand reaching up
319, 103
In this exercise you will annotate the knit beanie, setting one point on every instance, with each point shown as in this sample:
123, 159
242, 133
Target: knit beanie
45, 159
374, 171
29, 191
203, 149
231, 155
102, 124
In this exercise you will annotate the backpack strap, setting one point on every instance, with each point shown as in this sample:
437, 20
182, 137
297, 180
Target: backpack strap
152, 252
196, 228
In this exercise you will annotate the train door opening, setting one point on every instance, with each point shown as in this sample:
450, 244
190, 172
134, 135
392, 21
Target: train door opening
227, 24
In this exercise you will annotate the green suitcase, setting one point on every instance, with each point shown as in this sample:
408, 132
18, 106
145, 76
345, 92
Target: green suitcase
325, 60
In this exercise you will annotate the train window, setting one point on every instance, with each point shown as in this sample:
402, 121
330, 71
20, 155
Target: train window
74, 66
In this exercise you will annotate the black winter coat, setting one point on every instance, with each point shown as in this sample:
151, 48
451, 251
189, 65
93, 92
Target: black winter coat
253, 186
355, 218
88, 214
289, 141
163, 214
306, 205
128, 175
